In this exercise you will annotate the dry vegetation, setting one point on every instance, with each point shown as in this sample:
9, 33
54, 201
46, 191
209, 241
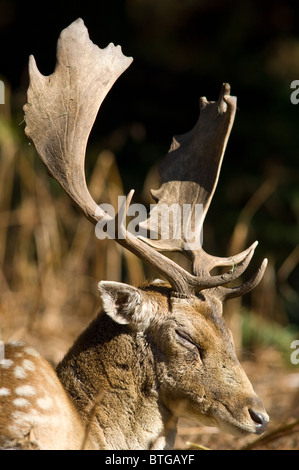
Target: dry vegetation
51, 261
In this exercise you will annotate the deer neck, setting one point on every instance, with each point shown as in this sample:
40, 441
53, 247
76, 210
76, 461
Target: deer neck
110, 374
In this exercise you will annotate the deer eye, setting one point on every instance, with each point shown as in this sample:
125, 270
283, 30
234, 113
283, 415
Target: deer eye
188, 342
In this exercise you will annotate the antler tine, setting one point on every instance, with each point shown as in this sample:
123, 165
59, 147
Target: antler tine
226, 293
203, 263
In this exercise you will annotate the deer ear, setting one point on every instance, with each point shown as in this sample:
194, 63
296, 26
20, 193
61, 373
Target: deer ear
125, 304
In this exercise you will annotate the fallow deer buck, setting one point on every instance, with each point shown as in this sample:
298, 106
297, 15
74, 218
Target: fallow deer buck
154, 353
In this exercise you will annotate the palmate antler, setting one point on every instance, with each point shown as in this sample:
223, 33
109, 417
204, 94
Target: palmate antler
59, 115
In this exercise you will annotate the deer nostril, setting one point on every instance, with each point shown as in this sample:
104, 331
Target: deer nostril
260, 421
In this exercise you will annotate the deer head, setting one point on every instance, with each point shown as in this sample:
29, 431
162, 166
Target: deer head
174, 327
197, 370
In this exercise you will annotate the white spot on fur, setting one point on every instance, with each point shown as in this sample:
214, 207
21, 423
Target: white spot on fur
25, 391
6, 363
19, 372
16, 343
45, 403
4, 392
21, 402
31, 352
30, 418
28, 365
17, 415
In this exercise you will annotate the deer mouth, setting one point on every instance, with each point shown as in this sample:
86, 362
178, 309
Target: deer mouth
250, 421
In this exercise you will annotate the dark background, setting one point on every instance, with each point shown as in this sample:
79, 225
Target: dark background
183, 50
